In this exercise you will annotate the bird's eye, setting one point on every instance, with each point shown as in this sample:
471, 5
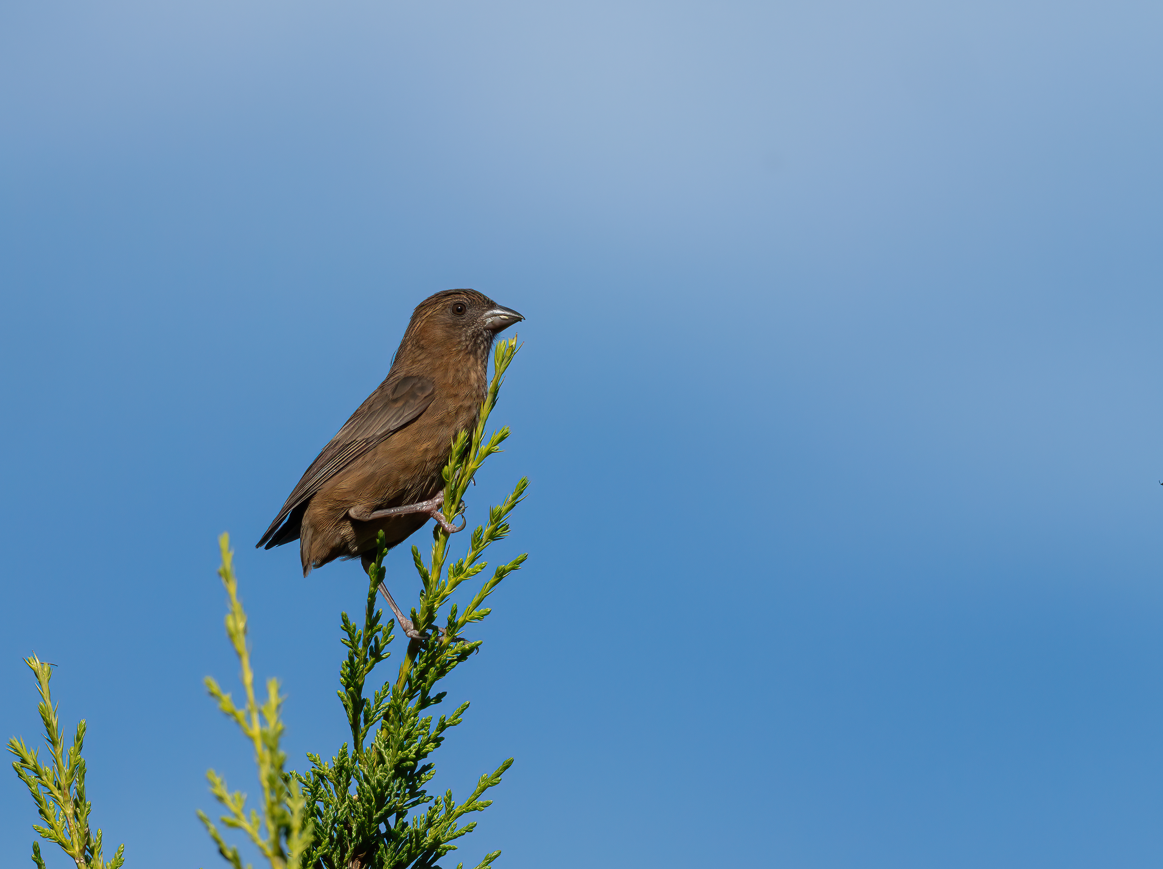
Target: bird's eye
459, 309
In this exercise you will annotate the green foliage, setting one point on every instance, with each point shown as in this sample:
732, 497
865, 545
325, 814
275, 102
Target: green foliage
59, 789
367, 807
368, 802
280, 833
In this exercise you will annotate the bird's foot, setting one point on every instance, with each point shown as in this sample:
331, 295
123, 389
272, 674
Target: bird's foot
449, 527
406, 624
432, 508
409, 629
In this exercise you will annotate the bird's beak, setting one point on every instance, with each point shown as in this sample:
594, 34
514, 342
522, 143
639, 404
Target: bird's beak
499, 319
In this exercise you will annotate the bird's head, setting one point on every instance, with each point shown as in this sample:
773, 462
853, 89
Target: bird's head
458, 321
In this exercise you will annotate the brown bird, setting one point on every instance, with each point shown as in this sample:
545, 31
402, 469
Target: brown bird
381, 472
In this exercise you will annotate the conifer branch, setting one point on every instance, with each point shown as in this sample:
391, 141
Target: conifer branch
281, 833
59, 788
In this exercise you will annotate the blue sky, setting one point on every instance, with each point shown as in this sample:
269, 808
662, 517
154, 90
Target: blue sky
839, 401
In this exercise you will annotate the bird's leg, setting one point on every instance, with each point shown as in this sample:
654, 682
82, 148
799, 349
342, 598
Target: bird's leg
403, 621
431, 507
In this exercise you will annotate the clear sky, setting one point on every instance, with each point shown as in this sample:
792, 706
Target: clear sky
840, 402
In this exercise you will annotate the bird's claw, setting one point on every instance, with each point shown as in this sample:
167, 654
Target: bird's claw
449, 527
409, 629
446, 638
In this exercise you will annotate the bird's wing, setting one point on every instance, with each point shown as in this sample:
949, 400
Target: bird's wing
392, 406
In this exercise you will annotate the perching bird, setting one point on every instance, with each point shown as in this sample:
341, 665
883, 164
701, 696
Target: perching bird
382, 470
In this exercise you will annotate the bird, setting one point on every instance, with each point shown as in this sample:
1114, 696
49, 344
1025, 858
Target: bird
382, 470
